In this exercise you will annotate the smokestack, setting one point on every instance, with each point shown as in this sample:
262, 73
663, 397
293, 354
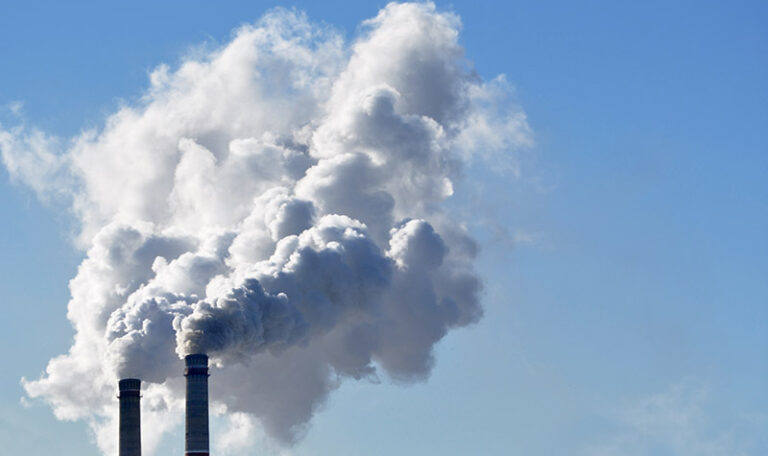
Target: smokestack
130, 417
197, 405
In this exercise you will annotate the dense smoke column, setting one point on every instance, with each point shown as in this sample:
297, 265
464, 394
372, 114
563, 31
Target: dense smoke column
278, 203
130, 417
197, 405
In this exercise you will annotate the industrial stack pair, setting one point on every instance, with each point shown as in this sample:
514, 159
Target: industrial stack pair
196, 440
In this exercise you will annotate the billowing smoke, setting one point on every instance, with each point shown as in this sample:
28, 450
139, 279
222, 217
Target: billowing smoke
276, 203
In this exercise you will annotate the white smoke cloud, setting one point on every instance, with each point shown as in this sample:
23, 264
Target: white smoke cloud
275, 203
239, 435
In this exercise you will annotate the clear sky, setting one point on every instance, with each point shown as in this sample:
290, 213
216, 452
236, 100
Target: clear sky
625, 267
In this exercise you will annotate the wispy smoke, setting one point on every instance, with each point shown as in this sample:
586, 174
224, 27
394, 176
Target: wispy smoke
275, 203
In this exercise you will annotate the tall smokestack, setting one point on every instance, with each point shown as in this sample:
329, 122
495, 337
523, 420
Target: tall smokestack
197, 405
130, 417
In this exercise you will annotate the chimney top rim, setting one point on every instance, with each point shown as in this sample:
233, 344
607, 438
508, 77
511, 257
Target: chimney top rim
196, 360
129, 384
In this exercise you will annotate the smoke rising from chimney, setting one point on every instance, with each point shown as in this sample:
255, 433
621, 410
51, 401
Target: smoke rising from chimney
276, 204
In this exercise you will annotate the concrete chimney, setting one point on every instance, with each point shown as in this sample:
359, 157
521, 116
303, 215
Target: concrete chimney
130, 417
197, 405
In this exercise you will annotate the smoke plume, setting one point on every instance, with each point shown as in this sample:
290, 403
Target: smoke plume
276, 203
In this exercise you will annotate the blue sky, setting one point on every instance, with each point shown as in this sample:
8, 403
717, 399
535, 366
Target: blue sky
626, 301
